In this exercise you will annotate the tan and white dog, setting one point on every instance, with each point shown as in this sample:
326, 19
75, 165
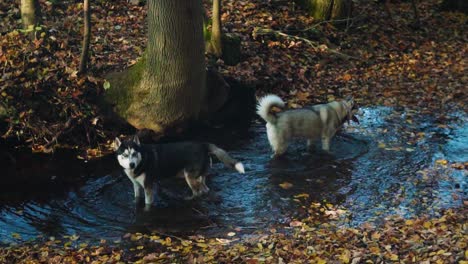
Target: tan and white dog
320, 121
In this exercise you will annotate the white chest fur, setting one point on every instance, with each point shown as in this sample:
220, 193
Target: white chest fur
140, 179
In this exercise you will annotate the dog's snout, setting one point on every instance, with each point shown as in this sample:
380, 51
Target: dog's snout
132, 165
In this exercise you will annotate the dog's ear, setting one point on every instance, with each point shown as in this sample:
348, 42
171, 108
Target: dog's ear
136, 139
117, 143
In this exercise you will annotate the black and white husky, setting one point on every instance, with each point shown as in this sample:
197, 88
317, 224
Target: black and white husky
320, 121
144, 164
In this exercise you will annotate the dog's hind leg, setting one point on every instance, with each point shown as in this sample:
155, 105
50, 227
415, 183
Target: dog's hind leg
279, 149
204, 188
194, 184
277, 143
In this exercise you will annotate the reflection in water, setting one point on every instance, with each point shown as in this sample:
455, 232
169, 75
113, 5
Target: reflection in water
374, 170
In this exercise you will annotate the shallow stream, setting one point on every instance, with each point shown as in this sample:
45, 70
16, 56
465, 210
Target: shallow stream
391, 163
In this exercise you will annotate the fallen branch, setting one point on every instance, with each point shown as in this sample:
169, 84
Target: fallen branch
331, 21
64, 130
313, 44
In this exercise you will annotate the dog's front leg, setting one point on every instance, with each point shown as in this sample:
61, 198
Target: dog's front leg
326, 143
310, 144
137, 191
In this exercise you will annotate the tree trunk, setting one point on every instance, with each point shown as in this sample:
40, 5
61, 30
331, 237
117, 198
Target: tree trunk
415, 11
413, 5
215, 42
166, 88
455, 5
30, 13
86, 37
327, 9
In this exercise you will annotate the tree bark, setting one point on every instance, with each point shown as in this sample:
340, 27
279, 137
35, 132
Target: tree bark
86, 37
216, 42
166, 88
30, 13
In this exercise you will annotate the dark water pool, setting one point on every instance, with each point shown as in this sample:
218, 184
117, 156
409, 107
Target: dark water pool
386, 165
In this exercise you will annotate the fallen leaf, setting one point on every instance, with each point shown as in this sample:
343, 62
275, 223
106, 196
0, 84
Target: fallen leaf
295, 223
302, 195
223, 241
286, 185
347, 77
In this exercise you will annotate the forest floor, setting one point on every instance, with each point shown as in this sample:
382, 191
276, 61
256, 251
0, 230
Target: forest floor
377, 60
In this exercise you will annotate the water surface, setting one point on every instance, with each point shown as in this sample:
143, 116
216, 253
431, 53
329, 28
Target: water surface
386, 165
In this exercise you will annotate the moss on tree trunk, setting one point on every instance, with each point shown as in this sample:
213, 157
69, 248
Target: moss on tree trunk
120, 94
215, 44
166, 88
326, 9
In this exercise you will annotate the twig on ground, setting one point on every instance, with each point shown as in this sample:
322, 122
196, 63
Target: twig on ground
308, 41
167, 235
204, 215
347, 20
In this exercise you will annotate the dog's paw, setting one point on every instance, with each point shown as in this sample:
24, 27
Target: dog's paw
189, 198
205, 190
275, 156
147, 207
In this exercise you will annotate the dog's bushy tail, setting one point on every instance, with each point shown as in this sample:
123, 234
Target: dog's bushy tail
223, 156
264, 107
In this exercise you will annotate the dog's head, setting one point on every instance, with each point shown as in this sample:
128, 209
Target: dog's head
351, 109
128, 153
